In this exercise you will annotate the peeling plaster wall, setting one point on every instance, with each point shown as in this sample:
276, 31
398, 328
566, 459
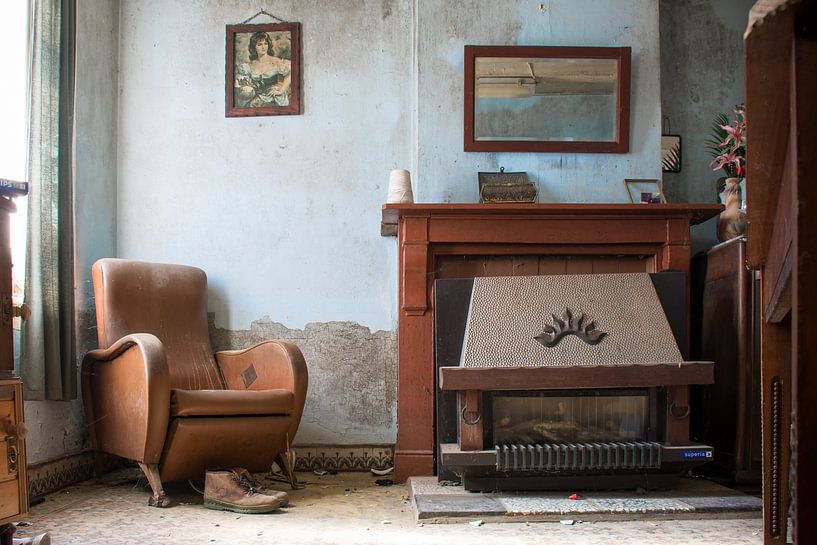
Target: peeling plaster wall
58, 427
352, 394
701, 75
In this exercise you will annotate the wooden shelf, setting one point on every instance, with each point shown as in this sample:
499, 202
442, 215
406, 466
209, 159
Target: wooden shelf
695, 213
558, 378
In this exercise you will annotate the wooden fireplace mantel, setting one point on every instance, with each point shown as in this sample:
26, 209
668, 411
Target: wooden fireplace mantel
657, 234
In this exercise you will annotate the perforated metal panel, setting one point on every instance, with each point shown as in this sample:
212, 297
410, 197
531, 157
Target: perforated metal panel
507, 312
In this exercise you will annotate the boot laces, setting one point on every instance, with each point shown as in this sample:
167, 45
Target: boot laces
250, 486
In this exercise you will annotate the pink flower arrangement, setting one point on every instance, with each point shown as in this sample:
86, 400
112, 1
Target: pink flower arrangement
728, 143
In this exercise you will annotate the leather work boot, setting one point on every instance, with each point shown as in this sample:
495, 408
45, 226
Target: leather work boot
230, 490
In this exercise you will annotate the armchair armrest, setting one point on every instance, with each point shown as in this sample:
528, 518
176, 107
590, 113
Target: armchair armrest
265, 366
126, 395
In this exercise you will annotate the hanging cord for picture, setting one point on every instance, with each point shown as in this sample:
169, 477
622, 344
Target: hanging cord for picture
666, 128
263, 12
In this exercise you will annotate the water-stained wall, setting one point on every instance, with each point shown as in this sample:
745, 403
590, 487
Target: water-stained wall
701, 76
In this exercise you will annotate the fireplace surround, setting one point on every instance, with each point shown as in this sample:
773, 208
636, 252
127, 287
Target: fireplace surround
531, 399
472, 240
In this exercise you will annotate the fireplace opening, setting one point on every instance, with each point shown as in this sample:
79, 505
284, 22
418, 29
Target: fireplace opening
554, 417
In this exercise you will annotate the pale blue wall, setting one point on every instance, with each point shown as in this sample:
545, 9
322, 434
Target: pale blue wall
283, 212
444, 173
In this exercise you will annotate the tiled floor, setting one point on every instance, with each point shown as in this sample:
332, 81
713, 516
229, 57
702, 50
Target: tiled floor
348, 508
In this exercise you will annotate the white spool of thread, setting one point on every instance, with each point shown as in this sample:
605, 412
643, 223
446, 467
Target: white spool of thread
400, 187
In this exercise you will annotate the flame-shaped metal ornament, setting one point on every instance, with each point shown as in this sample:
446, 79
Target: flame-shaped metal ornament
569, 325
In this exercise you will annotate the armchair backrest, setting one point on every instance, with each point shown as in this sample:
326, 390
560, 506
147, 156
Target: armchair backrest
168, 301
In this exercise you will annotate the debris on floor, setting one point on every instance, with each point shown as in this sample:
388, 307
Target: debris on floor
369, 514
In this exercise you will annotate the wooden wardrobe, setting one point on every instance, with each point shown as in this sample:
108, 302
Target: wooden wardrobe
781, 92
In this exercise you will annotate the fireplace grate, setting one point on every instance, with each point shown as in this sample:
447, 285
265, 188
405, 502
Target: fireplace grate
577, 456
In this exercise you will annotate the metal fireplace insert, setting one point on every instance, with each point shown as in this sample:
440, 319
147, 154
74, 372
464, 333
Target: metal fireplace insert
559, 382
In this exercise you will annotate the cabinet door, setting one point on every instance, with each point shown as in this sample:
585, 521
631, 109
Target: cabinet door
13, 494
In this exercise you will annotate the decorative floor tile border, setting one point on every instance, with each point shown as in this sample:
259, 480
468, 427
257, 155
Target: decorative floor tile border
343, 457
52, 475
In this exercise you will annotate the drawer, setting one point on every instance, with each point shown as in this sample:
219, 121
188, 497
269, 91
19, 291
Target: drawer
7, 415
9, 499
13, 496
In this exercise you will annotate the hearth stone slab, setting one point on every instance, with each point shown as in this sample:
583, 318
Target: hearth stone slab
718, 504
531, 505
430, 485
450, 505
691, 499
641, 505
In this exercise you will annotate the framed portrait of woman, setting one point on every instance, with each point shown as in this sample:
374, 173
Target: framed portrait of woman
263, 70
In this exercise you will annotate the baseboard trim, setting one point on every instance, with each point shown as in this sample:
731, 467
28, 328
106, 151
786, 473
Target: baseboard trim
52, 475
343, 457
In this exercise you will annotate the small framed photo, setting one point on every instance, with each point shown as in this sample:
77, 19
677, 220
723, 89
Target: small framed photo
670, 153
263, 68
645, 191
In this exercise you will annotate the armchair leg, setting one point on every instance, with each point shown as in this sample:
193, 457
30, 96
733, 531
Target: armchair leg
159, 498
284, 463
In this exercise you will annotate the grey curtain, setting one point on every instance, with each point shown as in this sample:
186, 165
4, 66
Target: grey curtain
48, 355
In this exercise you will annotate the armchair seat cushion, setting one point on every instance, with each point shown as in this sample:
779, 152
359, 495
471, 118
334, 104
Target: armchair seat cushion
230, 402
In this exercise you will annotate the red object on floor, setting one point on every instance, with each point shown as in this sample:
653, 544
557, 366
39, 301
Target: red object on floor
573, 497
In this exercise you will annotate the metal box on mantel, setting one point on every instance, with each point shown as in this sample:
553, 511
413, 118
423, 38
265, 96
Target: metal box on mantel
505, 187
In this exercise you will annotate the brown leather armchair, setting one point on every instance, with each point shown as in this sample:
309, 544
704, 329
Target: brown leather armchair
154, 393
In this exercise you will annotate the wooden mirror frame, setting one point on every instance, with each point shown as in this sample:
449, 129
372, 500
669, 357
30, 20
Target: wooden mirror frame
620, 54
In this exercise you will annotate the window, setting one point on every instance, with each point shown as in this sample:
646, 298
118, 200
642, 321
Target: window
13, 112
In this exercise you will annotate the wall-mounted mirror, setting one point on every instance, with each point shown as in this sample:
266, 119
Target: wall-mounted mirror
547, 99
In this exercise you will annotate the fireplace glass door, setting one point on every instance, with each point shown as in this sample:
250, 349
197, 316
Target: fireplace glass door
565, 416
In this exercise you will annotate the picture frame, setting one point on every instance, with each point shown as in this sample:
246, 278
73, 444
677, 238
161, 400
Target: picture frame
671, 153
645, 191
263, 70
586, 71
